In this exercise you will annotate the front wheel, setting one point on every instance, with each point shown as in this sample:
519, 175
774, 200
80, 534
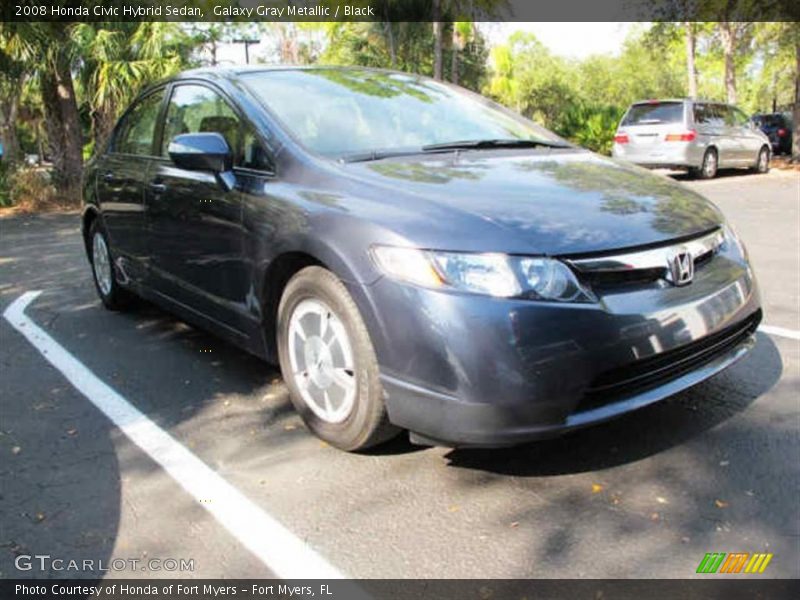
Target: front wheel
328, 362
762, 163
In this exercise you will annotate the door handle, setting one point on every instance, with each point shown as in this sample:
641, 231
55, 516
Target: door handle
158, 188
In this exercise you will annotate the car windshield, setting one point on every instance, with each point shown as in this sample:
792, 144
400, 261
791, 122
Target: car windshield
341, 112
654, 113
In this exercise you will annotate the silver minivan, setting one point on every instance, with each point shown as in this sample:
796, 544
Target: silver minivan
697, 135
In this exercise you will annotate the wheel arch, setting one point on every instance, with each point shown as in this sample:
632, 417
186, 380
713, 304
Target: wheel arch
89, 216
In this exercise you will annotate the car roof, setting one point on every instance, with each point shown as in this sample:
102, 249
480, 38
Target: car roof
694, 100
234, 71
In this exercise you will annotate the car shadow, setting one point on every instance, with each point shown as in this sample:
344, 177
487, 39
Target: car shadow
640, 434
721, 174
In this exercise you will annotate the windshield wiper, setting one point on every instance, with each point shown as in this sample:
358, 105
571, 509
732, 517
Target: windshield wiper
370, 155
490, 144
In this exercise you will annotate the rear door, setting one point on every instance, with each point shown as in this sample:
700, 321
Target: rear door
121, 176
647, 125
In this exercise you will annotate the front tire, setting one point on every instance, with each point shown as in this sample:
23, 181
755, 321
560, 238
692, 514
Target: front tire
113, 296
762, 162
329, 364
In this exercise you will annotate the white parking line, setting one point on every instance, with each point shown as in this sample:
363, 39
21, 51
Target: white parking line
780, 331
286, 555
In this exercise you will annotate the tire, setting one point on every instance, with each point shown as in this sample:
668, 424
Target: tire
329, 364
762, 162
112, 295
708, 168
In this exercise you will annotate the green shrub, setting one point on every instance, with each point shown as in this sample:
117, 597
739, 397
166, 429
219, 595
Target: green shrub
30, 189
591, 126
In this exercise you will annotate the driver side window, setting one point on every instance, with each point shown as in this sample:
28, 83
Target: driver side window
198, 109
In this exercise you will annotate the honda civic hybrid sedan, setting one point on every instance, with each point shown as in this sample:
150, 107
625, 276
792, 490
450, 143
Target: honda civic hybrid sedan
414, 256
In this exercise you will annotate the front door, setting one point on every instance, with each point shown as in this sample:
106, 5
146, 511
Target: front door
194, 223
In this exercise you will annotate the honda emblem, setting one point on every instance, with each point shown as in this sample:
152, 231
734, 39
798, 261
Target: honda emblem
681, 267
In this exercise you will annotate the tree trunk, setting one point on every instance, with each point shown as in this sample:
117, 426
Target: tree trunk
390, 42
728, 33
63, 128
8, 131
437, 40
454, 65
691, 67
796, 107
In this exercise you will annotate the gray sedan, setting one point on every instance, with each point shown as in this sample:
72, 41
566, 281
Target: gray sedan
414, 256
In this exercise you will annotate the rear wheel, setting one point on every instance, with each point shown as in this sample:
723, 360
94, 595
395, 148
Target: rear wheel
762, 163
708, 168
113, 296
329, 364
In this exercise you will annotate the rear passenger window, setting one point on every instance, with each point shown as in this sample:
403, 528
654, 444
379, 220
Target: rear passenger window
715, 114
135, 135
728, 114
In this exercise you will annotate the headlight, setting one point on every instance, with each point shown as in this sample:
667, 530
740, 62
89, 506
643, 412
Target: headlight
491, 274
734, 240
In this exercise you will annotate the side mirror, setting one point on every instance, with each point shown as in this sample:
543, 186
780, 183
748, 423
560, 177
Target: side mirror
201, 152
204, 152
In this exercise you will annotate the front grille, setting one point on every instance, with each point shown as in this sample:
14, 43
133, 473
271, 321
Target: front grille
646, 265
615, 384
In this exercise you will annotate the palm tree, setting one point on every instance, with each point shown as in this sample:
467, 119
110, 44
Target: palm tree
48, 53
118, 60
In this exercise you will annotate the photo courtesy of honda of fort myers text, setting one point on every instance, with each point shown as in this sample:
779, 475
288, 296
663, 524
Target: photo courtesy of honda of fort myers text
399, 299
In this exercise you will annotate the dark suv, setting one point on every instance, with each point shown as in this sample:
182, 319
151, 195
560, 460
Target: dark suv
778, 127
413, 255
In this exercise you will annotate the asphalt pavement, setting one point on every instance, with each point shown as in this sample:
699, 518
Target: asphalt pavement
714, 469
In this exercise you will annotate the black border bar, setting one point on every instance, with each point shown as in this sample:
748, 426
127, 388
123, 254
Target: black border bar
399, 10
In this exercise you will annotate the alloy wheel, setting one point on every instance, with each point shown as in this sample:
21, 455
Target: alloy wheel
321, 359
101, 263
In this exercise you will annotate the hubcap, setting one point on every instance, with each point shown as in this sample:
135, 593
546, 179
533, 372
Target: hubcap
102, 264
322, 361
762, 160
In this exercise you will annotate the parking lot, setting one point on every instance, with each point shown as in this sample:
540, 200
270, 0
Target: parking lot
714, 469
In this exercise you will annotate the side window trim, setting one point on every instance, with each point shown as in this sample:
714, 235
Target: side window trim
122, 122
245, 124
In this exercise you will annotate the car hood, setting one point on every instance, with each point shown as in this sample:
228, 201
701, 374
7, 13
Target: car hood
552, 202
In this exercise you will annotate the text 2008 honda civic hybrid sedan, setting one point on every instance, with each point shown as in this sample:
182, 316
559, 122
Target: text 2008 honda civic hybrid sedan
414, 256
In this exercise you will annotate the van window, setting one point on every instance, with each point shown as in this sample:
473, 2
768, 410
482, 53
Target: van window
654, 113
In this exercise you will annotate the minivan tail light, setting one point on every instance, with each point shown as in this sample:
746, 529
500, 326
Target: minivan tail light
687, 136
781, 132
621, 138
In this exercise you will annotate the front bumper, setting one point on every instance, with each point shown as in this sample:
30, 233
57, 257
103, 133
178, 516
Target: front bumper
461, 369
